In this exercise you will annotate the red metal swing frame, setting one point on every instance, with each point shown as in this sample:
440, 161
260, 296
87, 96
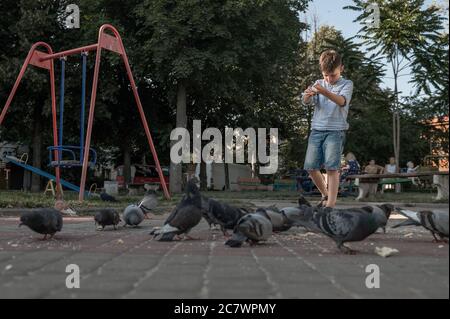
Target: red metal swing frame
45, 60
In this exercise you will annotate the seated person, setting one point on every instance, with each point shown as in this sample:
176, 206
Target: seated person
373, 168
352, 166
391, 168
412, 169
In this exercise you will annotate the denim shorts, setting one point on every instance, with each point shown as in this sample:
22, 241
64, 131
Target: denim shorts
324, 150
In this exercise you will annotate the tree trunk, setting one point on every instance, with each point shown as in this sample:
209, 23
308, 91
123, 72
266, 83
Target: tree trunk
176, 169
37, 148
227, 177
396, 121
127, 164
203, 177
396, 114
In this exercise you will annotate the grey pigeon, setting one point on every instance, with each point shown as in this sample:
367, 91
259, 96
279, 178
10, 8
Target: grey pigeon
104, 196
149, 202
342, 225
304, 204
106, 217
133, 215
222, 214
279, 220
295, 217
385, 209
46, 221
184, 217
253, 228
435, 222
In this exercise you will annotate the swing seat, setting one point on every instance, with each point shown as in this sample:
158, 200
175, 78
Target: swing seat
70, 156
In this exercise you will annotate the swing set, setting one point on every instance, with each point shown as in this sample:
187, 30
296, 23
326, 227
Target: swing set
68, 156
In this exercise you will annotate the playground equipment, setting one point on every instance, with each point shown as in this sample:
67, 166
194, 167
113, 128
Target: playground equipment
44, 60
24, 165
70, 155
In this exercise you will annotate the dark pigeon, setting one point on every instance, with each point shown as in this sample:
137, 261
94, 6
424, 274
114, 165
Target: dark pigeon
253, 228
184, 217
435, 222
107, 198
149, 202
342, 225
303, 201
205, 209
385, 209
106, 217
222, 214
46, 221
133, 215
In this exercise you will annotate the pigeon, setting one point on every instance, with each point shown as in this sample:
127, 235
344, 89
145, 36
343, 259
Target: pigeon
45, 221
205, 209
253, 228
221, 214
149, 202
294, 213
107, 217
64, 208
104, 196
303, 201
184, 217
435, 222
279, 220
133, 215
385, 209
295, 217
342, 225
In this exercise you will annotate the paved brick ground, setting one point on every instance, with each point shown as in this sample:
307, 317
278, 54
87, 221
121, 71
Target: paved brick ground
127, 264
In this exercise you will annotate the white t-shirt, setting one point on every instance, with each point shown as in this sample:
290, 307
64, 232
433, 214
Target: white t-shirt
391, 168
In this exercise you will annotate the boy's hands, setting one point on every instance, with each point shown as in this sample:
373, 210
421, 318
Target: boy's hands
320, 89
338, 99
309, 92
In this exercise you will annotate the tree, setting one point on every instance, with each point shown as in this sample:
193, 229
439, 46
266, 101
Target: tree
404, 28
235, 49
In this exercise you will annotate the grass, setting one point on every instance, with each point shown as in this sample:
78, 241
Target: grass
18, 199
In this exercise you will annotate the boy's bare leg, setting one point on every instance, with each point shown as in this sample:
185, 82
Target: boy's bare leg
333, 187
319, 181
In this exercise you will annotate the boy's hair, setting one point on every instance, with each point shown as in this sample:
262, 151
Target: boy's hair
330, 60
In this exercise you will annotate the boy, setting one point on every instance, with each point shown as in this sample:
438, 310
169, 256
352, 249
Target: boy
331, 99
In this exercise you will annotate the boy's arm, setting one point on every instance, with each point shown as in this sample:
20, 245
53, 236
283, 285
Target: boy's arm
343, 99
308, 96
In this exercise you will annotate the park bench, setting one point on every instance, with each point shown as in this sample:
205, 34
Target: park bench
245, 184
368, 183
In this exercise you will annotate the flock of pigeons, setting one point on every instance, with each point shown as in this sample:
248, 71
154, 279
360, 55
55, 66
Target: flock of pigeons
341, 225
